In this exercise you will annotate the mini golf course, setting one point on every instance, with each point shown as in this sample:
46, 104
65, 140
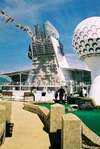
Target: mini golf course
91, 118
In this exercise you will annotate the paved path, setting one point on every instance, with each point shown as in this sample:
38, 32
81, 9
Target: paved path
28, 131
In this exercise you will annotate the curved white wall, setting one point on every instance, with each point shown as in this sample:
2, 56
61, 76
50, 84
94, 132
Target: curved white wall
94, 64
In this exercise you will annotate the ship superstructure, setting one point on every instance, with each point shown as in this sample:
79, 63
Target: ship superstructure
45, 52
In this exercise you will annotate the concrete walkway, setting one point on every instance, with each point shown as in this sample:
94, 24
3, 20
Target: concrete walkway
28, 130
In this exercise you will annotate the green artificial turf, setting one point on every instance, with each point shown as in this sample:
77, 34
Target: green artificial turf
47, 105
91, 119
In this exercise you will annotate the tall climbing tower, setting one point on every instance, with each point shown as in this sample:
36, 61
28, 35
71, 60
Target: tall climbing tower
45, 51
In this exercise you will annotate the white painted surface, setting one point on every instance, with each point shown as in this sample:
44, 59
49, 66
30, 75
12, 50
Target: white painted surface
95, 90
18, 95
49, 96
61, 60
94, 64
86, 41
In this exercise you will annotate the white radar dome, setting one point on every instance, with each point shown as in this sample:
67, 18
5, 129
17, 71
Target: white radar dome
86, 38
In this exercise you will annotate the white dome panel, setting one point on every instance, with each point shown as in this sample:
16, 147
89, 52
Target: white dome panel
86, 38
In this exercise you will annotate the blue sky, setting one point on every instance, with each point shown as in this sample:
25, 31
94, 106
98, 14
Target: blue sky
63, 14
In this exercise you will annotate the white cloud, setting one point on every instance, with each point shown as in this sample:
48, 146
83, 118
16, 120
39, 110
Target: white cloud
22, 9
31, 10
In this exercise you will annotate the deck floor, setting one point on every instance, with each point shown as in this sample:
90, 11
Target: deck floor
28, 130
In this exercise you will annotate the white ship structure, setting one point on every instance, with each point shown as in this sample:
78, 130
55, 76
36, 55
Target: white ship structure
46, 53
49, 64
86, 42
51, 68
